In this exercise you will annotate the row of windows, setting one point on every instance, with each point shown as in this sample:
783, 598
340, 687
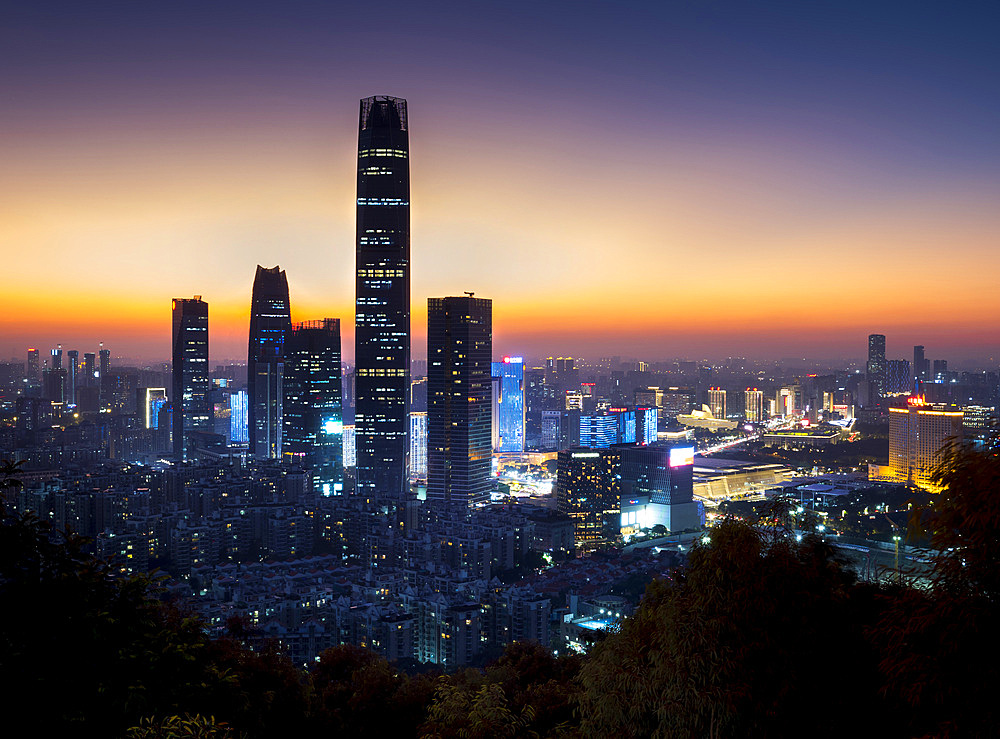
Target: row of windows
398, 153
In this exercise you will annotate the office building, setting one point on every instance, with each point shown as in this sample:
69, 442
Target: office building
270, 322
313, 418
104, 375
587, 490
897, 377
657, 488
239, 418
917, 435
72, 372
876, 369
646, 425
509, 405
921, 365
753, 405
616, 426
717, 402
192, 409
56, 358
34, 365
153, 400
459, 456
382, 330
418, 445
89, 372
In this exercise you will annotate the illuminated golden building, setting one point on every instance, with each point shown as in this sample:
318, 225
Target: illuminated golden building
917, 435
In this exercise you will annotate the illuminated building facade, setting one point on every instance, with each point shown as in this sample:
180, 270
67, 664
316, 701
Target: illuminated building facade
459, 454
350, 448
897, 377
917, 434
104, 370
382, 328
587, 491
192, 409
313, 413
617, 426
509, 404
418, 445
657, 487
717, 402
753, 405
239, 417
876, 368
270, 322
73, 369
153, 401
646, 425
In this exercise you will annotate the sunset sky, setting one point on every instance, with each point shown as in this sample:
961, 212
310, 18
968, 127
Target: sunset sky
671, 179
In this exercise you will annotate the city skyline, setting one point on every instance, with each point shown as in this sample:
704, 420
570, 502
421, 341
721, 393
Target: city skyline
673, 141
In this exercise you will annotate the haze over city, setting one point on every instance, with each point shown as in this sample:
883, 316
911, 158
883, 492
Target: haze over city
678, 180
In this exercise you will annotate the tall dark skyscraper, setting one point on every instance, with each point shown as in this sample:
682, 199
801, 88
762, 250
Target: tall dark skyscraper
104, 362
73, 367
89, 368
33, 365
876, 369
192, 410
920, 363
270, 322
459, 388
382, 328
313, 416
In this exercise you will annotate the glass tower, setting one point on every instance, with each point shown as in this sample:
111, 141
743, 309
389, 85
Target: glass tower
510, 405
382, 321
270, 321
459, 384
313, 417
192, 409
876, 368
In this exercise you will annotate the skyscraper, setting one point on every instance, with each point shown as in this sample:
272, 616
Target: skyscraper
876, 369
459, 379
382, 321
192, 410
509, 400
104, 363
314, 407
270, 321
71, 377
33, 365
89, 369
919, 363
717, 402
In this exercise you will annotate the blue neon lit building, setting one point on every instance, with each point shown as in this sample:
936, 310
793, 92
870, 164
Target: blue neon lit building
509, 402
239, 429
617, 426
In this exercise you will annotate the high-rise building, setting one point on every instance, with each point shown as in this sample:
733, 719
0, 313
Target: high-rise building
657, 487
104, 369
314, 406
459, 345
89, 369
917, 435
646, 424
753, 405
921, 367
72, 367
382, 328
34, 365
876, 368
154, 398
418, 445
897, 376
270, 322
509, 401
239, 418
192, 409
717, 402
616, 426
587, 491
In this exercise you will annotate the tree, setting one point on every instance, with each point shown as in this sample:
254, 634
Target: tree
750, 639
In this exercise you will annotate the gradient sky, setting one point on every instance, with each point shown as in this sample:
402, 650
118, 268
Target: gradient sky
657, 180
